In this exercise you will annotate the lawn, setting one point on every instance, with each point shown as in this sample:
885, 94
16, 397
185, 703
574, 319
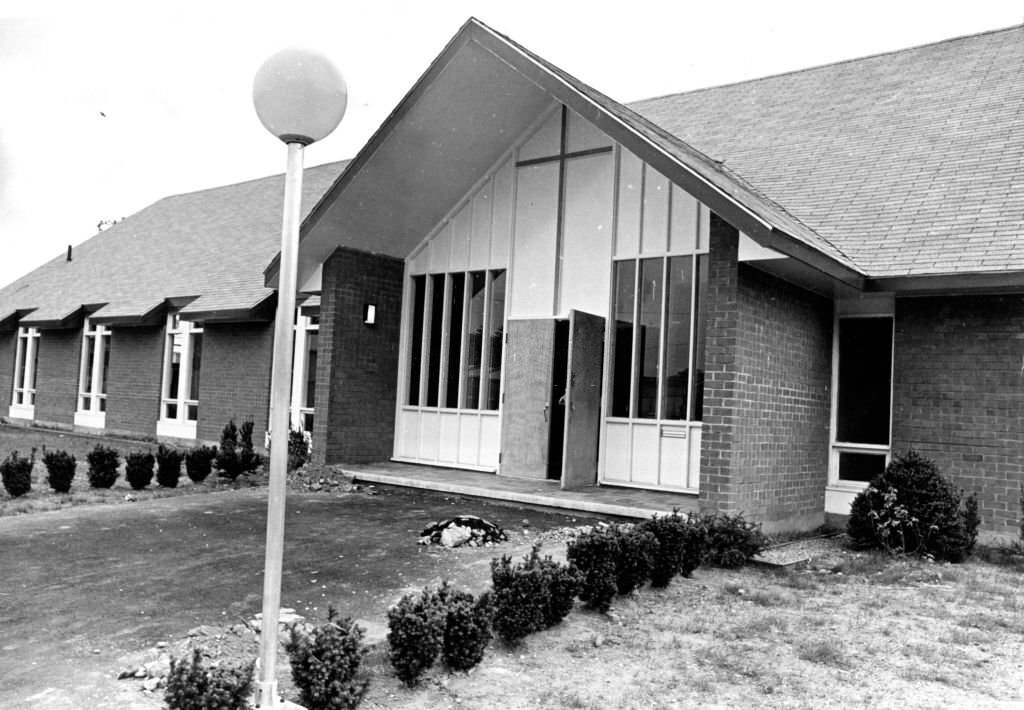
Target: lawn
43, 498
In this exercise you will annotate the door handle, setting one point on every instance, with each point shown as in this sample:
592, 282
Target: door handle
547, 406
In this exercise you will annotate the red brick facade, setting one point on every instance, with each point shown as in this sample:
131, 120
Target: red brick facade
234, 377
8, 345
357, 367
764, 447
958, 395
133, 380
57, 366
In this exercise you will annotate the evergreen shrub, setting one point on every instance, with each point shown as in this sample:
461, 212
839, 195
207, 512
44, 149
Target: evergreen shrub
325, 663
730, 540
467, 627
60, 470
138, 469
595, 554
236, 454
298, 449
103, 462
680, 548
415, 635
16, 473
199, 462
168, 466
192, 686
912, 508
637, 549
531, 595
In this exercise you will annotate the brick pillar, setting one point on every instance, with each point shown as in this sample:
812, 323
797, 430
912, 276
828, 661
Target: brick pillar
57, 376
133, 380
8, 349
357, 364
235, 378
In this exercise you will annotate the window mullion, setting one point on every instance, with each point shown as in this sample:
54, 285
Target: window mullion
184, 371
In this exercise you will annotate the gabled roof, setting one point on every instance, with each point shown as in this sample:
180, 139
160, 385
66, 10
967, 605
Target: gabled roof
909, 162
206, 248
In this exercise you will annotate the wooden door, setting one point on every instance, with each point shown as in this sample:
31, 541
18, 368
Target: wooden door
526, 410
583, 400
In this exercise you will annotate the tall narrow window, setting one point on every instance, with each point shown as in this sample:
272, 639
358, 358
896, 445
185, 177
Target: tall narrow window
26, 363
622, 333
179, 405
648, 337
458, 323
304, 353
92, 376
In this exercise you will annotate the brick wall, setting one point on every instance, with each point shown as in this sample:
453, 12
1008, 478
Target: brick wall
8, 346
133, 380
357, 365
958, 395
234, 377
57, 376
764, 447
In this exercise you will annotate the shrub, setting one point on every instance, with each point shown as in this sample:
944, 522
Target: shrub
680, 548
192, 686
531, 595
102, 466
16, 473
168, 466
199, 462
60, 470
415, 635
138, 469
730, 540
467, 627
911, 507
236, 455
298, 449
594, 554
637, 548
325, 663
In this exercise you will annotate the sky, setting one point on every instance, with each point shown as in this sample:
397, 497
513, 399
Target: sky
104, 112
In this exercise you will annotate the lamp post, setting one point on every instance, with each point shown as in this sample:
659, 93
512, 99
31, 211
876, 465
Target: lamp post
300, 97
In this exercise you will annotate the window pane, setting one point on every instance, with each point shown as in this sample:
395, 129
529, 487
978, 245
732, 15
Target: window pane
699, 333
627, 238
307, 421
90, 354
434, 364
454, 339
19, 378
103, 403
655, 217
622, 335
497, 339
35, 366
197, 356
193, 412
649, 337
475, 343
416, 356
106, 363
860, 467
176, 346
170, 410
312, 338
677, 337
865, 370
85, 404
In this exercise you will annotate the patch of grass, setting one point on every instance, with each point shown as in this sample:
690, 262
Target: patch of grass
826, 652
794, 579
733, 660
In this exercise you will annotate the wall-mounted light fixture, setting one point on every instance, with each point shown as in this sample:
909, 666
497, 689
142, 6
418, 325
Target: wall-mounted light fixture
369, 313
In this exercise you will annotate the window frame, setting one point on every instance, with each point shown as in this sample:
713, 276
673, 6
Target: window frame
26, 362
180, 425
303, 417
93, 415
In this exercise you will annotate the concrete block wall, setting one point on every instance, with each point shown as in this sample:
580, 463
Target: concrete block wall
57, 373
234, 378
357, 365
958, 395
133, 380
764, 448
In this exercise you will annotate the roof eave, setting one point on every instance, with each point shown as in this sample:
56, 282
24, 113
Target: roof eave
950, 284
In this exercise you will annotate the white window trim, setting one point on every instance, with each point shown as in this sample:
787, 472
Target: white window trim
95, 416
304, 325
180, 426
27, 346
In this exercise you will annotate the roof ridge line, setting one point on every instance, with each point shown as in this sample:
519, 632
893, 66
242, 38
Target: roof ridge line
825, 65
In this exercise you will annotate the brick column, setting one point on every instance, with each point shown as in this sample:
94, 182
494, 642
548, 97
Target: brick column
57, 376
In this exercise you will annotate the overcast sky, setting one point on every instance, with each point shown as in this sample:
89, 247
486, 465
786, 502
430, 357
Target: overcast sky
102, 114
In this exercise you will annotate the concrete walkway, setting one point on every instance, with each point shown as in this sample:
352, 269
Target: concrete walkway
599, 500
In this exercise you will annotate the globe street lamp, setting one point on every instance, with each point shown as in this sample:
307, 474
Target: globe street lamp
300, 97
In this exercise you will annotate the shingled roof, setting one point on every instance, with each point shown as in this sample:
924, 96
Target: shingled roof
211, 246
908, 162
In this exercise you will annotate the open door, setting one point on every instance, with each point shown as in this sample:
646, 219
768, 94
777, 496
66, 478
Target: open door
583, 400
526, 411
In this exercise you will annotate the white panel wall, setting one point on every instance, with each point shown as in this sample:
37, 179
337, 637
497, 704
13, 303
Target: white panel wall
587, 235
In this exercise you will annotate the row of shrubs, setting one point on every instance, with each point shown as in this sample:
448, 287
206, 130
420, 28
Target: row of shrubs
235, 456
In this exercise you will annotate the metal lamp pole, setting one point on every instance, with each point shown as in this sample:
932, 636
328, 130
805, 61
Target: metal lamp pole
300, 97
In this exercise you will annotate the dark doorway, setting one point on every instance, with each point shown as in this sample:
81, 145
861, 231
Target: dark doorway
556, 419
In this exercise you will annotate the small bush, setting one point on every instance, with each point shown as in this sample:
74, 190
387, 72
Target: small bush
138, 469
325, 663
680, 549
102, 466
415, 635
467, 627
199, 462
298, 449
60, 470
236, 455
594, 554
168, 466
16, 473
730, 540
912, 508
192, 686
531, 595
637, 549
